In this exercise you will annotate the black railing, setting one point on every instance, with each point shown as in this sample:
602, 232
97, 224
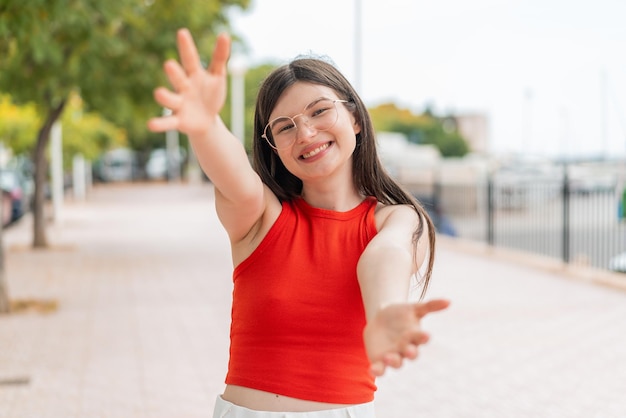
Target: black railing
552, 215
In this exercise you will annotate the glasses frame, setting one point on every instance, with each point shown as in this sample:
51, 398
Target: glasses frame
293, 119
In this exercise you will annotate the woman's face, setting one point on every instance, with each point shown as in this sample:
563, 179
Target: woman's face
314, 154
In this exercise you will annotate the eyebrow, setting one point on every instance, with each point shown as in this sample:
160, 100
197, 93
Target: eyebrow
314, 101
319, 99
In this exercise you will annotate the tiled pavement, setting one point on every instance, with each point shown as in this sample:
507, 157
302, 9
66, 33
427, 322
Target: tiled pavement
141, 275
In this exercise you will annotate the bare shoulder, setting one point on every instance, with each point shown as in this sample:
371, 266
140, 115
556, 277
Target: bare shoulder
400, 216
398, 224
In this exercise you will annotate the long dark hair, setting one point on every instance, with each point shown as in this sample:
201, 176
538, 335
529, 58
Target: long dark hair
370, 177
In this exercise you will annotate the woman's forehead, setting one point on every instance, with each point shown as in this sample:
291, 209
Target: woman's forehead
296, 97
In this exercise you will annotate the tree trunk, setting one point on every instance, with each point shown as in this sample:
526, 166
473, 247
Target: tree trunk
41, 171
5, 306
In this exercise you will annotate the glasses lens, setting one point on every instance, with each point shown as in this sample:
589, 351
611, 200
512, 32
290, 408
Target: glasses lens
319, 115
283, 129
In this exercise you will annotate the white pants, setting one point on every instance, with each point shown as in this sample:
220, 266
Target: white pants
225, 409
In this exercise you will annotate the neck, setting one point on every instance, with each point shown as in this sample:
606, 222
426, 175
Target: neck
332, 197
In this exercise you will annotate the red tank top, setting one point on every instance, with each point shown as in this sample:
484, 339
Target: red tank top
297, 315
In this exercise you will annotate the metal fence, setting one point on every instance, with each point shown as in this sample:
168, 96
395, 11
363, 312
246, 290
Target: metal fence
552, 213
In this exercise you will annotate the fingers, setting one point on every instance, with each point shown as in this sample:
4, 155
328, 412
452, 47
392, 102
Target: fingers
406, 334
410, 351
176, 75
190, 58
170, 100
220, 55
162, 124
418, 337
377, 369
167, 99
188, 52
394, 360
422, 309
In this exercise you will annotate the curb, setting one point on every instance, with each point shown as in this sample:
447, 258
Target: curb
570, 270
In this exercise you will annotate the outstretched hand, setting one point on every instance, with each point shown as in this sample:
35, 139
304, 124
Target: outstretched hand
395, 334
197, 95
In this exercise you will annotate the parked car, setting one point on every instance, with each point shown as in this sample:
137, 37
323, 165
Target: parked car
156, 166
116, 165
442, 222
618, 263
159, 164
18, 190
7, 204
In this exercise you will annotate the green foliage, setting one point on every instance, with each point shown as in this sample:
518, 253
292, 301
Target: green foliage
421, 129
18, 125
83, 132
112, 51
87, 133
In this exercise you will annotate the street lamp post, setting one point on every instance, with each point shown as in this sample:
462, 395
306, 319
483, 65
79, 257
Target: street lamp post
56, 170
172, 151
237, 68
358, 33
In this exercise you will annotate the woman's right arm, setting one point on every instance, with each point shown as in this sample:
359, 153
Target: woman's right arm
197, 97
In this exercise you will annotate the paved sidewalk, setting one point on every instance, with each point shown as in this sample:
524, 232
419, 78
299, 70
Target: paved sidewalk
141, 274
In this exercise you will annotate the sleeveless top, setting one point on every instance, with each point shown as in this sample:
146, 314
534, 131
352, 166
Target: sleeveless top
297, 314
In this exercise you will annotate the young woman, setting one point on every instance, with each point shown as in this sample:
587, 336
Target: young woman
324, 243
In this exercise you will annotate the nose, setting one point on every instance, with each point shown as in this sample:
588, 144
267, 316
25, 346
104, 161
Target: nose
304, 130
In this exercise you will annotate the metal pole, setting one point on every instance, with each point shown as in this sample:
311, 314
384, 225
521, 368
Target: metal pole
604, 115
490, 209
526, 146
358, 34
566, 215
436, 197
79, 177
172, 151
237, 69
56, 169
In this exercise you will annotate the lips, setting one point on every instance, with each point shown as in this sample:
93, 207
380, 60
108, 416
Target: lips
315, 151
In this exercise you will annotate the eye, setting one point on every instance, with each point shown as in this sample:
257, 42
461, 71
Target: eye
320, 109
282, 125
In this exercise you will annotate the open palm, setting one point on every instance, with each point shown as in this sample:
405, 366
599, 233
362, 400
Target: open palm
395, 333
197, 95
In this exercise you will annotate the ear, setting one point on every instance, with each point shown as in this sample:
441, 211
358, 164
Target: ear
356, 125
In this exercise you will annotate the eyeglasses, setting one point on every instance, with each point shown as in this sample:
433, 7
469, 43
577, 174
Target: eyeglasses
320, 115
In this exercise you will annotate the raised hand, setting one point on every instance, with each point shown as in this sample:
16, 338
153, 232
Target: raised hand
395, 334
197, 95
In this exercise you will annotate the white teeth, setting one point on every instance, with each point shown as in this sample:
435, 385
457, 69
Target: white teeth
315, 151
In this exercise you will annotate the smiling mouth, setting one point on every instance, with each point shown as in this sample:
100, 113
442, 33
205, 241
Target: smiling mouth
315, 151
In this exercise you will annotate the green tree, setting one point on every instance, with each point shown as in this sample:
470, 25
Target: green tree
18, 125
110, 51
87, 133
425, 128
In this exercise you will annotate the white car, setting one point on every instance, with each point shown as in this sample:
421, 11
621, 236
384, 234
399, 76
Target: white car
618, 263
157, 166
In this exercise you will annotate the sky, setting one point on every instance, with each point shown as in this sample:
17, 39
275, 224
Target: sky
550, 75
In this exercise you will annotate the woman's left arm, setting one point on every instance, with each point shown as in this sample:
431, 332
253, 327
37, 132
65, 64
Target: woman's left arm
393, 331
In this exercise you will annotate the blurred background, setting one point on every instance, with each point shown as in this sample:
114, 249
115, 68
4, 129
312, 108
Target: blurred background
505, 118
